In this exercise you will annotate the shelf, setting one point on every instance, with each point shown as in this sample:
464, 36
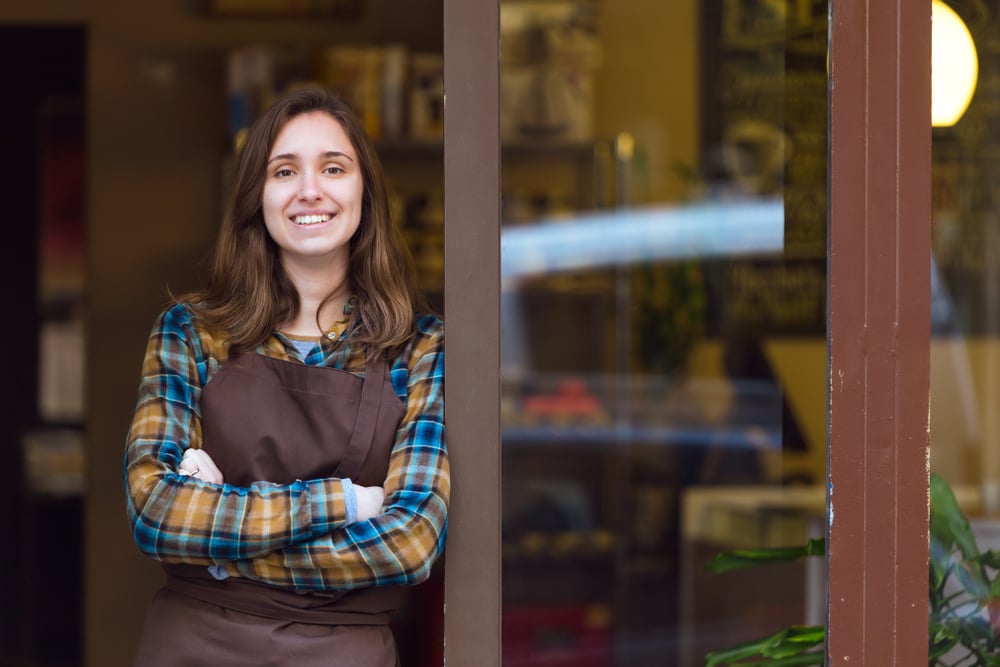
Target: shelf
583, 435
548, 147
550, 2
281, 9
414, 148
409, 148
560, 546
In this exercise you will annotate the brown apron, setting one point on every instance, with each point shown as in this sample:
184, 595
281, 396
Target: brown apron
266, 419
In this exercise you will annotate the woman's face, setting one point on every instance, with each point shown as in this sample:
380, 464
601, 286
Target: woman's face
313, 191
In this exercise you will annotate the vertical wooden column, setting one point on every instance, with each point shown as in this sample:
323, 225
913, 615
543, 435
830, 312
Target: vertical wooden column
879, 329
472, 312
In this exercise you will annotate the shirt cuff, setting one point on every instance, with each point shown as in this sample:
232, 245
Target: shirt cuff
327, 500
350, 501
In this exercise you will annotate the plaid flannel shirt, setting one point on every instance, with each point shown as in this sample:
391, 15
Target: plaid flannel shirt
287, 535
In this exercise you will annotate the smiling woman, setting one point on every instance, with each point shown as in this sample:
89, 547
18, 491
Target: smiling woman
286, 460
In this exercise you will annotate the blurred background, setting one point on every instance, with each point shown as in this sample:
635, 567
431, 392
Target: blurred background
664, 175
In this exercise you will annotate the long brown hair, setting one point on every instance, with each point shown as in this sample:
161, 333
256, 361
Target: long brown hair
249, 293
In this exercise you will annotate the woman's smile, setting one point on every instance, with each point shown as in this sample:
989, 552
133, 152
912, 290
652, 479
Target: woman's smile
311, 219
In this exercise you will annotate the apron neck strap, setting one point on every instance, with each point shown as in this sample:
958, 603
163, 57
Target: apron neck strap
364, 425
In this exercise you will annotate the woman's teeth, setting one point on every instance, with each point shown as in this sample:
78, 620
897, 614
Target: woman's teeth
310, 219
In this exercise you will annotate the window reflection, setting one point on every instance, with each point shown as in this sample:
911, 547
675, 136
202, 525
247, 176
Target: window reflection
965, 269
964, 312
663, 314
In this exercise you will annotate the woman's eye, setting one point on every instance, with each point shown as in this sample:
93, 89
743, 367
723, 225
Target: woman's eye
282, 173
333, 170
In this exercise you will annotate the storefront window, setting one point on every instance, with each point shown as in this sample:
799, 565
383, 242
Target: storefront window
965, 268
664, 323
964, 308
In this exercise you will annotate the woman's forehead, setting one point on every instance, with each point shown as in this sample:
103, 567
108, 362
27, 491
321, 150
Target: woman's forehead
315, 133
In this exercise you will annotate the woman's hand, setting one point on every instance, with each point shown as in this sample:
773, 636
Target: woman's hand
198, 464
369, 501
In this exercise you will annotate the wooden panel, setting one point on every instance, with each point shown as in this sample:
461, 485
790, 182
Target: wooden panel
879, 332
472, 309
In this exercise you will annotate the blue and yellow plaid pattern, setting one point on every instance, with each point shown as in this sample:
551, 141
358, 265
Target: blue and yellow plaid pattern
295, 535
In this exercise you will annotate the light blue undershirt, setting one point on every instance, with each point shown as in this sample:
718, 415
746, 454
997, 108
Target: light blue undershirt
303, 346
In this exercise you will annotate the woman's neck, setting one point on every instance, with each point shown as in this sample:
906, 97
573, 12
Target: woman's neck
313, 287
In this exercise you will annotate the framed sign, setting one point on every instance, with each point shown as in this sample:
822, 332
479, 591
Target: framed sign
349, 9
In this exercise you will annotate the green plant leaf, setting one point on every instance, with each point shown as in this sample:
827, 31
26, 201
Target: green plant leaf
738, 559
814, 658
744, 650
990, 559
939, 563
940, 553
948, 630
939, 647
975, 628
948, 524
786, 643
806, 634
973, 581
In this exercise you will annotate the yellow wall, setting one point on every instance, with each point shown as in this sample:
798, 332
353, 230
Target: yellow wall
647, 85
964, 420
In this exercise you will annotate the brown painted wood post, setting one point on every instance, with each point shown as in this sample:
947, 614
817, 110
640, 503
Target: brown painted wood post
879, 331
472, 312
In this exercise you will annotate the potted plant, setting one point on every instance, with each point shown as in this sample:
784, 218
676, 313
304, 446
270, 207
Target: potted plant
963, 591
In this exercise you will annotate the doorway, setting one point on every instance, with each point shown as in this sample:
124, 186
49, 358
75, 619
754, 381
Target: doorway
42, 185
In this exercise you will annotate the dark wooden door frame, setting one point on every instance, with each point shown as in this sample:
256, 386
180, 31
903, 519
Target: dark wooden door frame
879, 331
472, 308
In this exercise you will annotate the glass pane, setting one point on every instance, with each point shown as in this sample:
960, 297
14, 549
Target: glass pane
965, 285
664, 323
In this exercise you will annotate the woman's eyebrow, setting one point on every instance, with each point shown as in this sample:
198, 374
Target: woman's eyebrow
334, 154
292, 156
282, 157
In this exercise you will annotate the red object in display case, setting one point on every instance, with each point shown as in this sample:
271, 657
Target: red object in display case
557, 636
572, 400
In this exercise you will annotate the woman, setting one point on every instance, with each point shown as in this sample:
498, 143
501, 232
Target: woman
276, 408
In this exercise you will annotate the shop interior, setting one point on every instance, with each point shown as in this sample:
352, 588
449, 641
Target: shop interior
664, 294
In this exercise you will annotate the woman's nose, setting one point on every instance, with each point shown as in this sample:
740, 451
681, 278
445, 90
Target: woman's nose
308, 188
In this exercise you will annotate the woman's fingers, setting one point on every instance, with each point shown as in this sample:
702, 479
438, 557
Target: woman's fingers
208, 471
370, 499
189, 465
198, 464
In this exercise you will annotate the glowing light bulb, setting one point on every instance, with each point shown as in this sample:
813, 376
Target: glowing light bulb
954, 66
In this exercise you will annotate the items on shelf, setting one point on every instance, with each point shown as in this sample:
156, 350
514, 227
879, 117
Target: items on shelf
398, 94
53, 460
61, 370
549, 56
423, 229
